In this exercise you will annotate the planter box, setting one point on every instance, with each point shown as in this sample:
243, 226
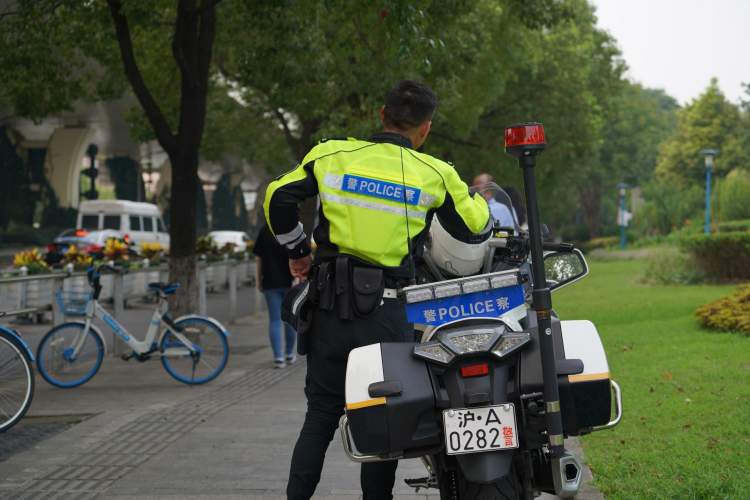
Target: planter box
39, 293
107, 281
130, 283
78, 284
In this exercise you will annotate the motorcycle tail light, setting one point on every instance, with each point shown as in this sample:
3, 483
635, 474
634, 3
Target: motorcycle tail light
433, 351
419, 295
464, 342
510, 342
503, 281
50, 248
447, 290
475, 370
476, 285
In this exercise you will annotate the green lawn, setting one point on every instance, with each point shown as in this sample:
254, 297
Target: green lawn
685, 433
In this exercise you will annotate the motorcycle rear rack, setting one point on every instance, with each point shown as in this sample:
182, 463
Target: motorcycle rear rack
618, 408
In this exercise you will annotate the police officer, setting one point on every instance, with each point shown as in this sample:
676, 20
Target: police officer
377, 198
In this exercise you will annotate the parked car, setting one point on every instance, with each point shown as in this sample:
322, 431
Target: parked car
239, 239
140, 222
89, 242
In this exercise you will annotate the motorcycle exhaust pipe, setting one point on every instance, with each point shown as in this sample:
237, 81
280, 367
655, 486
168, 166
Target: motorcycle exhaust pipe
566, 475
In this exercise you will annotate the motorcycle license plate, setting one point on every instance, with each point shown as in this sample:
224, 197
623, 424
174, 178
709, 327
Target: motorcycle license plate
474, 430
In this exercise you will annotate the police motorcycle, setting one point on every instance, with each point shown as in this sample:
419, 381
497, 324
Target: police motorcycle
483, 398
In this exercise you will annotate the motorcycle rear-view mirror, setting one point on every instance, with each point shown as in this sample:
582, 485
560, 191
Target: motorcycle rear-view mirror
564, 267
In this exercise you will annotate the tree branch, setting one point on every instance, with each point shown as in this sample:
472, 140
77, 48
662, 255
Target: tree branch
290, 139
132, 72
178, 42
9, 13
206, 37
460, 142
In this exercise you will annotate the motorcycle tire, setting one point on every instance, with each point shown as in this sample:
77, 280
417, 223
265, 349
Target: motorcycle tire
508, 488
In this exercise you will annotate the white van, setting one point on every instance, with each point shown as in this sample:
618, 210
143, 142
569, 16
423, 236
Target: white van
141, 222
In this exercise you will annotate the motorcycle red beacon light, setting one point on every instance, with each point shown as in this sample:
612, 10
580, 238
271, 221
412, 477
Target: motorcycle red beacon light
524, 139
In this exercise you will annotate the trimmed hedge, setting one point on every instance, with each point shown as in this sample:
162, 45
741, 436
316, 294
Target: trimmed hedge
601, 242
721, 256
730, 313
734, 225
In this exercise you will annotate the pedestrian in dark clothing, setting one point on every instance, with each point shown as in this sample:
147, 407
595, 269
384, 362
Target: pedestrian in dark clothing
274, 280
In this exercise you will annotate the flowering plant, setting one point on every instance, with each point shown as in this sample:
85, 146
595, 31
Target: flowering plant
152, 251
32, 260
79, 259
115, 249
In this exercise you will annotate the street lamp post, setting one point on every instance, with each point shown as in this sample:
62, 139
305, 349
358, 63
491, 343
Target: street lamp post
91, 172
622, 219
708, 156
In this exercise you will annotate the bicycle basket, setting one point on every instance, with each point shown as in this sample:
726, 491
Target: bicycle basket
73, 303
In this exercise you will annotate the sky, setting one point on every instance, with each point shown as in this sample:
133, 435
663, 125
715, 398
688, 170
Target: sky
678, 45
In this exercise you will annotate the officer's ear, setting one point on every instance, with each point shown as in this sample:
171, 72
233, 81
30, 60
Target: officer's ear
382, 114
424, 129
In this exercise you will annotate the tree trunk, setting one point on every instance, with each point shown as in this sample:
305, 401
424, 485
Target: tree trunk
182, 231
591, 201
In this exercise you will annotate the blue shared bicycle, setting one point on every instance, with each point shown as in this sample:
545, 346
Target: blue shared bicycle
16, 377
193, 349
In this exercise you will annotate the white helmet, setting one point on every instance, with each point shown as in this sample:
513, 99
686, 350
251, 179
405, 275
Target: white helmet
456, 257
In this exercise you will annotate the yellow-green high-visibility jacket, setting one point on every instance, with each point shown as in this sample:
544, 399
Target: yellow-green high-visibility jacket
375, 195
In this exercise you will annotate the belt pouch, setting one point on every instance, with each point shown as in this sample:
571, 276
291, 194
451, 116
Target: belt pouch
368, 286
343, 295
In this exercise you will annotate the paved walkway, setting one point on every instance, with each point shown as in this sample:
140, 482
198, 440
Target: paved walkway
149, 437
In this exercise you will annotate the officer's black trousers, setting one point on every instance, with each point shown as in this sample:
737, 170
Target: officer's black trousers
331, 339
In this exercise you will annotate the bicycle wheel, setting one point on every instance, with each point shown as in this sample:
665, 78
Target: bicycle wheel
201, 366
16, 381
58, 361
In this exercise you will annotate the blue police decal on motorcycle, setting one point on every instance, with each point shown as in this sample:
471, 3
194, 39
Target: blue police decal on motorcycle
380, 189
490, 303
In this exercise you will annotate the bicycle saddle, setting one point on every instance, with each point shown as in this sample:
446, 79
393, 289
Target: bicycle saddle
165, 288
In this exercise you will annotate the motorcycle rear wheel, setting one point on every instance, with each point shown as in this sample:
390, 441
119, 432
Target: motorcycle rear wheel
456, 487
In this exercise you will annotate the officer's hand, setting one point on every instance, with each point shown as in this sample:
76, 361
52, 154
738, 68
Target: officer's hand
300, 267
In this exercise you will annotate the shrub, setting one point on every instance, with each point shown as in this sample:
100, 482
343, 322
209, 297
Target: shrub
733, 225
669, 266
730, 313
721, 256
206, 245
733, 194
667, 208
602, 242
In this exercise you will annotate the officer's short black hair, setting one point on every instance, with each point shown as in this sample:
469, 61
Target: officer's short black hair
409, 104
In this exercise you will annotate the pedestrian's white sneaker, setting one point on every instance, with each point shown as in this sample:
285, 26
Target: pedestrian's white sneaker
290, 360
279, 363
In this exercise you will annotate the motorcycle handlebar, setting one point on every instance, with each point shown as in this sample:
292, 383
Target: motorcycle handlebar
558, 247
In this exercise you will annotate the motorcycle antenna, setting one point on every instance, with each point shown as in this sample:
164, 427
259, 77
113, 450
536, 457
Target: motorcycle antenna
412, 272
525, 141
